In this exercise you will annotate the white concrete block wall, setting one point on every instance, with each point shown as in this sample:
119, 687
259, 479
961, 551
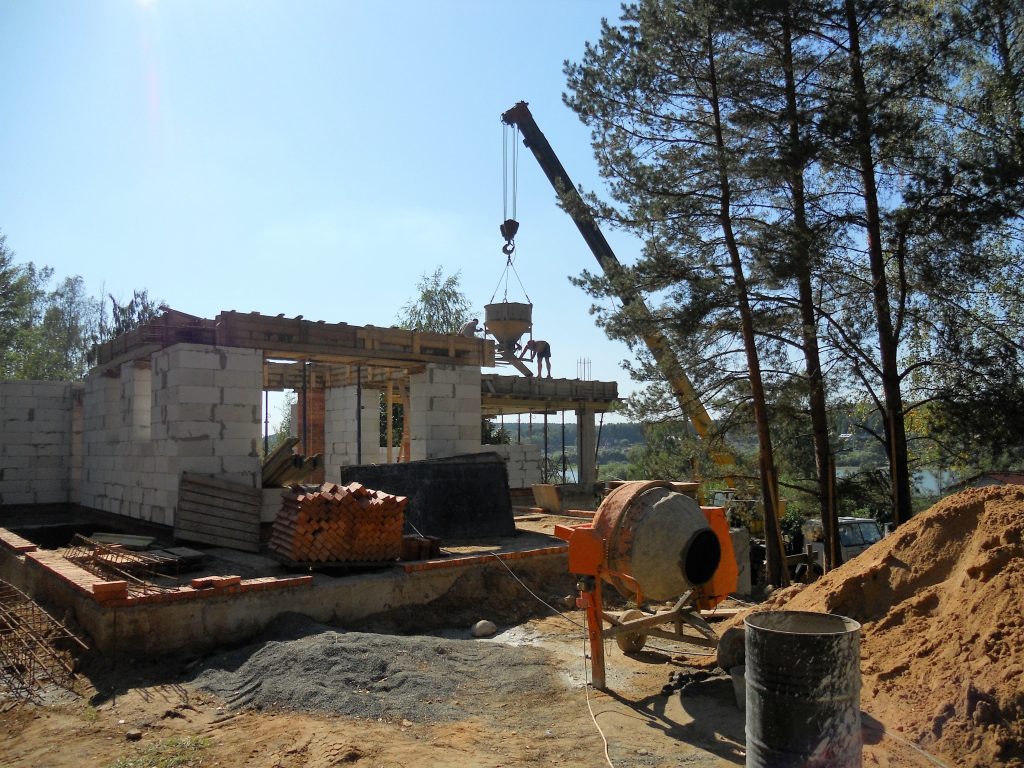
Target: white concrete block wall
524, 462
75, 475
109, 452
202, 414
341, 433
35, 442
444, 419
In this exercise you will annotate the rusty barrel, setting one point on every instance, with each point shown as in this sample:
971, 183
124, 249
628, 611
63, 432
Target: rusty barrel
802, 690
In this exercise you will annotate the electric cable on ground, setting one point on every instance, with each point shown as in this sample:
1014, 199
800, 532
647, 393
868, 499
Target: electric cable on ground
554, 610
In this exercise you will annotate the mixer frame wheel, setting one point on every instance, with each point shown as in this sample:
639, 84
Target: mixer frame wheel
631, 642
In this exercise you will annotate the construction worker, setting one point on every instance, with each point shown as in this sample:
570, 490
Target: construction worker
539, 350
470, 329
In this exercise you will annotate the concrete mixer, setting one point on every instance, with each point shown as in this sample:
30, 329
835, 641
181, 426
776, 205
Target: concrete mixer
650, 542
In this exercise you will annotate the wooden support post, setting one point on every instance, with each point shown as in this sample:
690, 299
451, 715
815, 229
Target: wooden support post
591, 600
359, 415
389, 414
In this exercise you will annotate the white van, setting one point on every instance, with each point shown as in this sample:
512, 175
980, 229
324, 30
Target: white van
855, 535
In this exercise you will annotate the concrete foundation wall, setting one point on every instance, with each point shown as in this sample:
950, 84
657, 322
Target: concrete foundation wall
195, 409
37, 423
524, 462
212, 620
444, 417
344, 429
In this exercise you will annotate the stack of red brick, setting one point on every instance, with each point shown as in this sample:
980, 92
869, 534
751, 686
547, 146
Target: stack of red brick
339, 524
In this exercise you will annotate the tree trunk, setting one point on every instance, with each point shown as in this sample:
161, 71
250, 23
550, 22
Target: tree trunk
774, 551
895, 428
808, 313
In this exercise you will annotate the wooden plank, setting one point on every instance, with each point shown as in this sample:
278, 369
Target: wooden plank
252, 498
219, 535
188, 516
223, 489
240, 506
252, 534
188, 513
220, 484
280, 456
217, 540
191, 511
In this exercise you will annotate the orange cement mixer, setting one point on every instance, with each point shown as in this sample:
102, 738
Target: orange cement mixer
651, 542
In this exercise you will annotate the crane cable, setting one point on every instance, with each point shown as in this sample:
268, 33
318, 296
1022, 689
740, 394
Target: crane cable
510, 226
504, 279
504, 170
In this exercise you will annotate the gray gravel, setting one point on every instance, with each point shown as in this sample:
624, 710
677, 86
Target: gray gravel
302, 665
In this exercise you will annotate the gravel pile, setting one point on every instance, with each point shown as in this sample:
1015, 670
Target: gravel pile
302, 665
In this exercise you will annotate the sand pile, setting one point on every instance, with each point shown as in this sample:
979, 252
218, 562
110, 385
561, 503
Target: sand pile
942, 607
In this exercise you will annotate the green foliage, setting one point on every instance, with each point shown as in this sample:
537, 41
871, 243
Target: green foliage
284, 423
397, 422
440, 305
493, 434
57, 347
47, 334
172, 752
138, 310
791, 521
21, 297
877, 217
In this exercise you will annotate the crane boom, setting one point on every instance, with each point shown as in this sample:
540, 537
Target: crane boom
666, 358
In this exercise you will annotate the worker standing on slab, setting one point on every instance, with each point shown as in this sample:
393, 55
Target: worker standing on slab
470, 329
539, 350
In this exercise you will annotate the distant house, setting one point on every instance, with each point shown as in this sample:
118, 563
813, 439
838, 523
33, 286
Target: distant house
983, 479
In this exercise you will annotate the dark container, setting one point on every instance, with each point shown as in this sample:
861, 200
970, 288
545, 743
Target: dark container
803, 690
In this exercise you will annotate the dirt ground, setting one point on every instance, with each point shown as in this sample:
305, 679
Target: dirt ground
696, 723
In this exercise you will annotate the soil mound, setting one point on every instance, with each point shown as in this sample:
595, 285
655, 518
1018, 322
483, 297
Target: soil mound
942, 607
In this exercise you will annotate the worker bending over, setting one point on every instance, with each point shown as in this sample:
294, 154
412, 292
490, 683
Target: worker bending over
470, 329
539, 350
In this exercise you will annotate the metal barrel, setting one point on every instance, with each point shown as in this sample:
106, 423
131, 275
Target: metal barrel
803, 690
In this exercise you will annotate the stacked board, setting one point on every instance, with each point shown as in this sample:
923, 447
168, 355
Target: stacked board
219, 512
283, 467
341, 524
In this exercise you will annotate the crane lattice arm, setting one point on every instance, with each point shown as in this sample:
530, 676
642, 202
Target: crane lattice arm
666, 358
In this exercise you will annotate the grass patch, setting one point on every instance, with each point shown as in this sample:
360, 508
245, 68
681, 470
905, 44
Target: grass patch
174, 752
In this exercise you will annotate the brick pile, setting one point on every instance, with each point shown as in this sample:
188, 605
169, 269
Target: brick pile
338, 524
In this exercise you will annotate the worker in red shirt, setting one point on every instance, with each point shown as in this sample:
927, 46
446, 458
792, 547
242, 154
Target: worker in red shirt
539, 350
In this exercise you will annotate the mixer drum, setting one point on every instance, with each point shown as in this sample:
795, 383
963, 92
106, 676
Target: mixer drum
659, 537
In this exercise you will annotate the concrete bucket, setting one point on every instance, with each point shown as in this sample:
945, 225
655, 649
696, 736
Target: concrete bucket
507, 322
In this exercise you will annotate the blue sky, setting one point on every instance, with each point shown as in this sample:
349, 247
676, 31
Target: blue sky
309, 158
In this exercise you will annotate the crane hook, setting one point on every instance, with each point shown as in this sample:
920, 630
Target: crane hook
508, 230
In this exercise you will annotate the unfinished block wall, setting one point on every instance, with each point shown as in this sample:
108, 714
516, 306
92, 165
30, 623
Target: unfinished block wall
195, 408
444, 420
115, 416
524, 462
36, 439
346, 430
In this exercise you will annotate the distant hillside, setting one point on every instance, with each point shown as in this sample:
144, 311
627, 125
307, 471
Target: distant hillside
615, 442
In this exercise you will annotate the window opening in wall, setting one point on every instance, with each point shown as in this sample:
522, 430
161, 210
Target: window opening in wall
266, 422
